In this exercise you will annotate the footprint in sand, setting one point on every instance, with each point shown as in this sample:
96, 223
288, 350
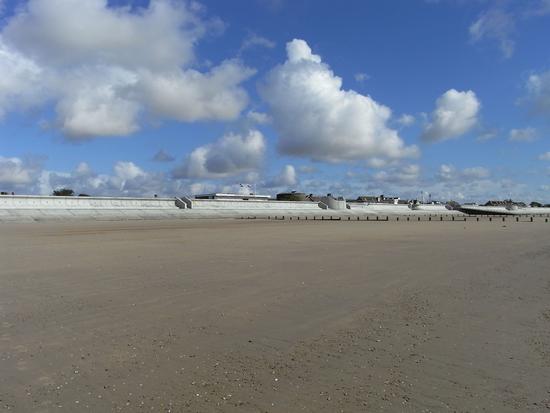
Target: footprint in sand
21, 348
21, 365
45, 380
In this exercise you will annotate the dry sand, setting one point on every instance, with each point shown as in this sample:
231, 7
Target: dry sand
256, 316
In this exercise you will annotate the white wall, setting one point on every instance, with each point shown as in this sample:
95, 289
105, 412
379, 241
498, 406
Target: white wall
332, 203
73, 202
224, 204
480, 209
435, 208
381, 208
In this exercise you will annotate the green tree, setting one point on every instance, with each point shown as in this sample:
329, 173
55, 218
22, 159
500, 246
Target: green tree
63, 192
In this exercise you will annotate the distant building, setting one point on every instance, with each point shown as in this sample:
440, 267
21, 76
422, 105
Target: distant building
333, 202
293, 196
380, 199
239, 197
506, 202
329, 201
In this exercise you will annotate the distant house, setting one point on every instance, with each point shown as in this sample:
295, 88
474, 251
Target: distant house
234, 197
380, 199
505, 202
292, 196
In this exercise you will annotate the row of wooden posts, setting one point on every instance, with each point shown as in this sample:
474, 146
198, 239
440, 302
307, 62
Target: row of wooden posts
401, 218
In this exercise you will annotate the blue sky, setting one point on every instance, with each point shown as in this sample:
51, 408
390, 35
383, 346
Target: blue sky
140, 97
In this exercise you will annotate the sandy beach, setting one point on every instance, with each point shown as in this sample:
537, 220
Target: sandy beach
275, 316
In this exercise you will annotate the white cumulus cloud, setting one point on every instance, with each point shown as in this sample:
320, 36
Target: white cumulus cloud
538, 93
231, 155
286, 178
128, 170
83, 169
191, 95
406, 120
545, 156
455, 114
103, 66
127, 179
476, 172
19, 80
496, 24
487, 134
93, 103
361, 77
446, 172
254, 40
317, 119
449, 173
163, 156
404, 175
14, 173
523, 135
258, 118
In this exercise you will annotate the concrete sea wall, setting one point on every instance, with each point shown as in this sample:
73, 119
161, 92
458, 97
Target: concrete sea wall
380, 208
502, 210
223, 204
83, 202
28, 208
332, 203
401, 209
433, 208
